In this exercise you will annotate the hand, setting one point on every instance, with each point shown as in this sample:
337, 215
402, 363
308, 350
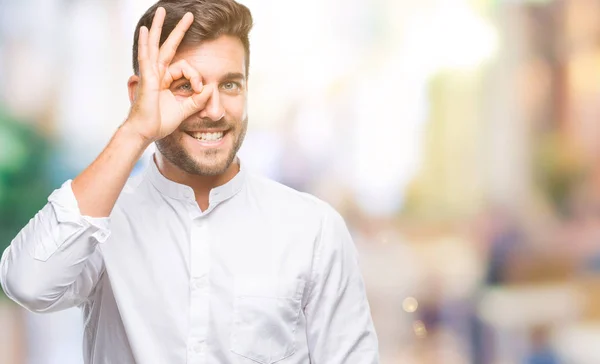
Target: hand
156, 111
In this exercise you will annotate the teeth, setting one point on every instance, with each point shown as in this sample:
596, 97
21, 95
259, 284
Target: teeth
208, 136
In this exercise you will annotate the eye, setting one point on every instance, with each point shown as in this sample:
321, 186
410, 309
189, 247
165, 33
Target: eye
231, 86
183, 88
186, 86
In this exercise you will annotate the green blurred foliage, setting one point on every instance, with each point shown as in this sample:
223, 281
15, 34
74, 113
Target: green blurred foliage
25, 181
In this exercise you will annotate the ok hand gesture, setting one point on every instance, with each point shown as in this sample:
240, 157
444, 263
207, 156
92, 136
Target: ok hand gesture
156, 112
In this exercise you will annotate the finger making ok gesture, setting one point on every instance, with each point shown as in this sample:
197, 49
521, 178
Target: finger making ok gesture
157, 111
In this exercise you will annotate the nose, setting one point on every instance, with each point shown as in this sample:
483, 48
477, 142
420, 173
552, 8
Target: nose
214, 110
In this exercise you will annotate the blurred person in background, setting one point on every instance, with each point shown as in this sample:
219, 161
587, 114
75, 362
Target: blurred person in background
542, 351
196, 259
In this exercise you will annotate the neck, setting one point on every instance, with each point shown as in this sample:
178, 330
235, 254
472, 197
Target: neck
202, 185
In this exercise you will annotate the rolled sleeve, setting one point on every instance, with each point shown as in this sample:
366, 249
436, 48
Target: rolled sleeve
53, 259
67, 211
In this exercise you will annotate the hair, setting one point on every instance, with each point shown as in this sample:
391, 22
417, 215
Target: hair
212, 19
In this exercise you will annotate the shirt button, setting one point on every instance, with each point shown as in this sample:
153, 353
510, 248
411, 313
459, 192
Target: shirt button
101, 235
198, 283
198, 347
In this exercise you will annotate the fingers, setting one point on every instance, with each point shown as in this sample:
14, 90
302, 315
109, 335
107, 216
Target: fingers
169, 47
143, 60
197, 101
149, 50
182, 69
155, 30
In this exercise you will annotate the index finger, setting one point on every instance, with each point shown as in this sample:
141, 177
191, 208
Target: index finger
169, 47
154, 34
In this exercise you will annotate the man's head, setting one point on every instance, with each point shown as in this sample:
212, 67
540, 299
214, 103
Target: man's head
217, 46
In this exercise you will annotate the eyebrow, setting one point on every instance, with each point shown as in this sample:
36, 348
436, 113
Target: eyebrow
233, 76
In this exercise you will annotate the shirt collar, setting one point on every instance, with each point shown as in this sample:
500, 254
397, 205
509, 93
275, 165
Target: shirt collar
183, 192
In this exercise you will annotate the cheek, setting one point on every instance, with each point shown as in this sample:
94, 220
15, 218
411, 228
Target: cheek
235, 107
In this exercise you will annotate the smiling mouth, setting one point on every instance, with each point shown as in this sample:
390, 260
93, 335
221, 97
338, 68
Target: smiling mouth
213, 137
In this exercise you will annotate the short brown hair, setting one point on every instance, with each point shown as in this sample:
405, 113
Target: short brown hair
212, 19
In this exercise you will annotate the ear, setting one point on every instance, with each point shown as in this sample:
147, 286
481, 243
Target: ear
132, 85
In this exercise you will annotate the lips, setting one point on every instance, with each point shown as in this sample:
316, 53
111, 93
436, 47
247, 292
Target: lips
207, 136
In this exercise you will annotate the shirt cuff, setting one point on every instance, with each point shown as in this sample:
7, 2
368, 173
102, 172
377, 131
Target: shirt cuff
67, 210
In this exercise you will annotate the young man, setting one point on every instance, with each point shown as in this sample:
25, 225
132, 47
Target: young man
195, 260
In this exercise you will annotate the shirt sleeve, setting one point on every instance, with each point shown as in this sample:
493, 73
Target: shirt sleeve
339, 324
53, 263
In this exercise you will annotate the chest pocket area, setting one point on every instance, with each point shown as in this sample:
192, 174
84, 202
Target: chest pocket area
265, 317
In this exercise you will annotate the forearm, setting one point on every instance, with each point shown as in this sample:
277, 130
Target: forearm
99, 185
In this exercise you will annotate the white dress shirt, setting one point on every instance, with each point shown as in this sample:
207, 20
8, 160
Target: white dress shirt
266, 274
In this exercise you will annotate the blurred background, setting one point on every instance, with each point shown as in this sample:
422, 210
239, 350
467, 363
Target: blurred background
459, 139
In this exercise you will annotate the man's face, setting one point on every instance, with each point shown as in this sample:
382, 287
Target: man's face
207, 142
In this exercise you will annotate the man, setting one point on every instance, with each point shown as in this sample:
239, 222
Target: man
195, 260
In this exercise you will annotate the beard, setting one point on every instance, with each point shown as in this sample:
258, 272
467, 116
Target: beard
212, 162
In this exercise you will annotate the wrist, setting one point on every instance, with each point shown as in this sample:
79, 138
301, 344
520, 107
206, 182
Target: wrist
132, 136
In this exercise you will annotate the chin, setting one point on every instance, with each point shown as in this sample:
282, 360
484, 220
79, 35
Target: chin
208, 165
211, 169
198, 157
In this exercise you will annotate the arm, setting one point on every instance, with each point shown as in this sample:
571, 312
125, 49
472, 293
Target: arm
54, 263
339, 325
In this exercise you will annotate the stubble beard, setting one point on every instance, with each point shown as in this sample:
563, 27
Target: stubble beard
208, 164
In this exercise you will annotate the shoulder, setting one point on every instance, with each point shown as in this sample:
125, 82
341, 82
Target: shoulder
284, 196
135, 195
303, 205
133, 183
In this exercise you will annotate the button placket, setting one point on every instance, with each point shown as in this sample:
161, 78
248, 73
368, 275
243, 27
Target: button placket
199, 261
199, 347
199, 283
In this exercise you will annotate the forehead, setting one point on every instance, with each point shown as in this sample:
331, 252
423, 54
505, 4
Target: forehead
214, 58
